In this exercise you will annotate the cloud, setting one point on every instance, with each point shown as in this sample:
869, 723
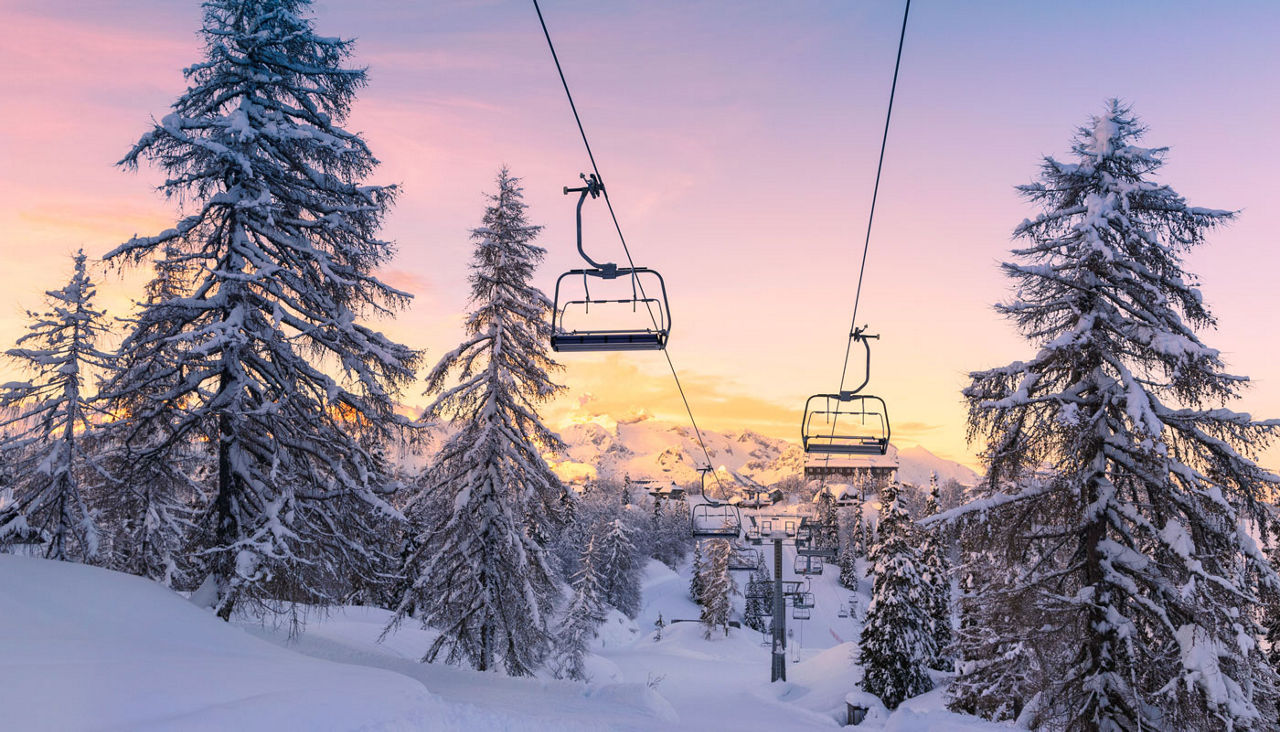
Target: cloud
632, 387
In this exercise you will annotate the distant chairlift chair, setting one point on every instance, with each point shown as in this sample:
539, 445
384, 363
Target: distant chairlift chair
647, 334
716, 521
807, 565
849, 422
743, 559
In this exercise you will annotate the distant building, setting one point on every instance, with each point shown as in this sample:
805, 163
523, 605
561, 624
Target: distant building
868, 472
753, 497
672, 491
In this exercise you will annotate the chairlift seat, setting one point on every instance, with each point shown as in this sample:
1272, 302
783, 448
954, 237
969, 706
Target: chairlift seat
609, 340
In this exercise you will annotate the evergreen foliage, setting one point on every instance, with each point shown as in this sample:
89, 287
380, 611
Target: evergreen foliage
619, 568
160, 476
44, 420
582, 619
937, 577
718, 588
1131, 566
482, 576
264, 347
697, 573
896, 644
671, 535
759, 598
827, 533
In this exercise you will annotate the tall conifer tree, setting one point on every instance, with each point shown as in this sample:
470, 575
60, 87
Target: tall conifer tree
44, 424
896, 645
1135, 550
482, 575
279, 373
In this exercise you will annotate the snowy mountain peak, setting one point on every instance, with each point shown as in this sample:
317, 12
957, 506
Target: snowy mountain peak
644, 447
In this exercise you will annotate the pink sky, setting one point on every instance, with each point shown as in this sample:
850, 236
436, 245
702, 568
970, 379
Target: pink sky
738, 140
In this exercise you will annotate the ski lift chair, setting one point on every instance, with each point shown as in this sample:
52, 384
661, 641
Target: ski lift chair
803, 600
809, 548
807, 565
800, 613
844, 611
716, 521
848, 422
571, 327
743, 560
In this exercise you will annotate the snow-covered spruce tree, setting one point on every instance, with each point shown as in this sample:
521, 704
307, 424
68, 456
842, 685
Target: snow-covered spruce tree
618, 565
149, 512
585, 614
483, 577
718, 588
672, 539
896, 645
697, 573
1271, 612
937, 577
997, 648
827, 534
851, 546
1137, 544
44, 421
275, 368
759, 598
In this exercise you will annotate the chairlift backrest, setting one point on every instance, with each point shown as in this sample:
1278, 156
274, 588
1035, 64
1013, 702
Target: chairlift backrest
573, 328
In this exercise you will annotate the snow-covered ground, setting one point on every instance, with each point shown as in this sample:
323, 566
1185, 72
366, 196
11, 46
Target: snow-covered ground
86, 649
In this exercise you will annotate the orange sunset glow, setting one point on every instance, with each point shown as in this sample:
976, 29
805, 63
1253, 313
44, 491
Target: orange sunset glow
739, 144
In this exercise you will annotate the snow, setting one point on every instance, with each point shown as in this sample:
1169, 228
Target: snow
85, 648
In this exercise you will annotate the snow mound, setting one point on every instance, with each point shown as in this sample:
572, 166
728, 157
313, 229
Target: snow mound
638, 696
86, 648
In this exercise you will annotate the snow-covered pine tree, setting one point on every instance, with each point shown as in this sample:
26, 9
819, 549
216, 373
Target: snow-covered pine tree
1271, 612
848, 563
1136, 545
851, 545
44, 418
149, 512
483, 576
896, 644
856, 527
937, 577
997, 649
698, 573
827, 535
672, 539
759, 598
718, 588
275, 367
618, 565
585, 614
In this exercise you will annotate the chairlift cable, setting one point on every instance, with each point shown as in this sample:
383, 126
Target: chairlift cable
875, 192
618, 227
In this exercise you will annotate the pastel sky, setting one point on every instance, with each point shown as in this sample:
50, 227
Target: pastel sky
738, 139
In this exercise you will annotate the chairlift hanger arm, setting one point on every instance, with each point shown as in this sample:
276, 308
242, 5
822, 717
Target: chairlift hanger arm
860, 335
593, 188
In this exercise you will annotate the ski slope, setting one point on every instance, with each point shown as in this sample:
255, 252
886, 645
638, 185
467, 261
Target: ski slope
83, 648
